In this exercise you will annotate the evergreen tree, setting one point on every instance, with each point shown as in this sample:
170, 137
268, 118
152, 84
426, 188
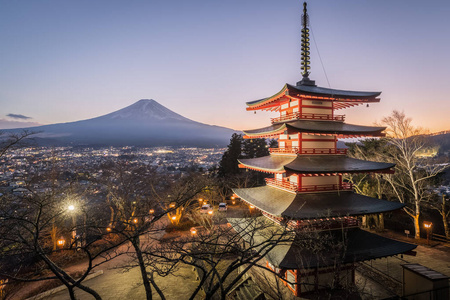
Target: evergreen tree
255, 148
229, 163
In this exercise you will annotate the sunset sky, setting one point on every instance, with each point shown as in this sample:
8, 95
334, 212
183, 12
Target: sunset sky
63, 61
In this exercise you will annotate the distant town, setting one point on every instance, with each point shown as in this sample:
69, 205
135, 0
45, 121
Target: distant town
24, 162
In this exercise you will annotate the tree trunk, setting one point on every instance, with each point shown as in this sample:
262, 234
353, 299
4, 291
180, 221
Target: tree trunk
381, 222
71, 293
137, 247
53, 234
446, 229
444, 215
416, 226
364, 221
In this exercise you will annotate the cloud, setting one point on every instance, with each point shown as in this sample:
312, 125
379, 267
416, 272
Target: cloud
17, 116
7, 124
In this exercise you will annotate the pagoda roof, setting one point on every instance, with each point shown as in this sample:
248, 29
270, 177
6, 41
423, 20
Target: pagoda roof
331, 93
311, 249
306, 206
321, 127
311, 91
314, 164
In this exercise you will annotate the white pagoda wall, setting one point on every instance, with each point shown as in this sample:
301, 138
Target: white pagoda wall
319, 180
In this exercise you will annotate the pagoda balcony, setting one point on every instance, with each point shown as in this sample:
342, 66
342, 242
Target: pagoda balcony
296, 150
308, 116
290, 186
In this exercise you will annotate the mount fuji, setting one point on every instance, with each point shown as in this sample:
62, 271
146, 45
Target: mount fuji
145, 123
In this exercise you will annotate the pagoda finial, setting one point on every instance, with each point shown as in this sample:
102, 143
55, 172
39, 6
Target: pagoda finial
305, 49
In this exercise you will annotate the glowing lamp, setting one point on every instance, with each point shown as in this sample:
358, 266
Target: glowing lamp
71, 207
108, 229
251, 206
135, 220
427, 224
174, 218
61, 242
210, 212
193, 231
151, 211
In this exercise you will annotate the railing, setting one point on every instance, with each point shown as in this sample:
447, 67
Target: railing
296, 150
308, 188
282, 183
308, 116
325, 187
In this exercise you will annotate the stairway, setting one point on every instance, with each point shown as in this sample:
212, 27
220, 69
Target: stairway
246, 290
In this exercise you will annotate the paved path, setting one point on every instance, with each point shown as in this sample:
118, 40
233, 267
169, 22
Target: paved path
116, 283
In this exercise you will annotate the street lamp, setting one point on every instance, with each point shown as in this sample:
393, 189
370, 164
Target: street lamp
71, 209
428, 225
61, 242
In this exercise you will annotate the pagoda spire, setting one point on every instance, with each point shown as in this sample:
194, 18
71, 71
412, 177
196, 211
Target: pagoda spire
305, 49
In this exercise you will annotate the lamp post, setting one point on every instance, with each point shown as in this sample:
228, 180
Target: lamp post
428, 225
71, 209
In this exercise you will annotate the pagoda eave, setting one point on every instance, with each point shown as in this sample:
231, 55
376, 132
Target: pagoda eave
268, 171
309, 206
290, 92
300, 253
314, 164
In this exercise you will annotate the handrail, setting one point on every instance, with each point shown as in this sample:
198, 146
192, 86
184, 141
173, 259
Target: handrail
308, 116
308, 188
296, 150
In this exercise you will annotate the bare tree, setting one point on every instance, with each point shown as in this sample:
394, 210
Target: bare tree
444, 210
11, 141
372, 185
412, 172
221, 254
141, 199
26, 225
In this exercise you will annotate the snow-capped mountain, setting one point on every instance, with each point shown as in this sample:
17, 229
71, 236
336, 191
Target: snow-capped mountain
144, 110
144, 123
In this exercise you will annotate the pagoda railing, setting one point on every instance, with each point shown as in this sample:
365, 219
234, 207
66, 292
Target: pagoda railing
326, 187
282, 183
296, 150
308, 116
308, 188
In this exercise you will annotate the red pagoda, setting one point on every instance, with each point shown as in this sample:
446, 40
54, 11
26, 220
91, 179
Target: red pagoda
307, 191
